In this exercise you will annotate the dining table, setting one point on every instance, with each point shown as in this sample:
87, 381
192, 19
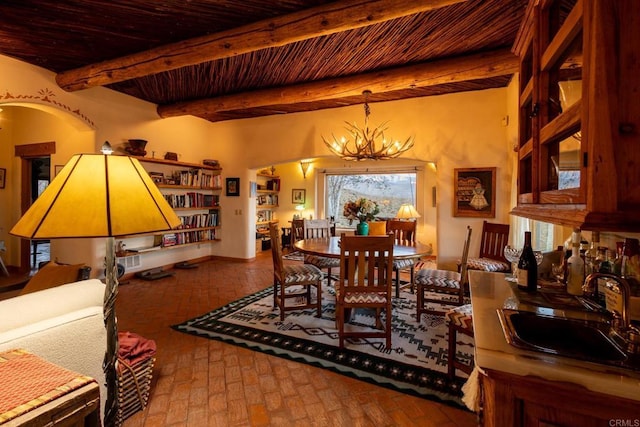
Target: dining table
330, 247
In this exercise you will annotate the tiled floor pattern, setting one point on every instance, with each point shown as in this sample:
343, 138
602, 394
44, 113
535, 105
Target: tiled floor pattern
200, 382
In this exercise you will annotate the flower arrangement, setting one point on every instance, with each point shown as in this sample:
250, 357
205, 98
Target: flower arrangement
362, 209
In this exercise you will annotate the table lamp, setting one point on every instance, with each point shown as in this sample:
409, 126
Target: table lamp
98, 195
408, 212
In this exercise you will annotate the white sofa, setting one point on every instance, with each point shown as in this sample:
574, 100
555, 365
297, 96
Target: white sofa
63, 325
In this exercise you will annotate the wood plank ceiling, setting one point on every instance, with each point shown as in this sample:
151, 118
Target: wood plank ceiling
230, 59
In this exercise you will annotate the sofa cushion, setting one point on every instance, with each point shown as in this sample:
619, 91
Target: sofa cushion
52, 275
36, 306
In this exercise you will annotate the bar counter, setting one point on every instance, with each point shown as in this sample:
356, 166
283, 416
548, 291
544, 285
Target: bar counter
489, 292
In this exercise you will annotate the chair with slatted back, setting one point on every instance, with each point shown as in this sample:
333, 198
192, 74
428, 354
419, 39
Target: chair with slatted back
494, 238
363, 284
319, 229
404, 233
445, 282
293, 281
297, 230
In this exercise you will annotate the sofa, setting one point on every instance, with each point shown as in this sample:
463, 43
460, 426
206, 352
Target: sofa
63, 325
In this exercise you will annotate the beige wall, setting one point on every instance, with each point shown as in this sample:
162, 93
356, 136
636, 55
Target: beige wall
454, 131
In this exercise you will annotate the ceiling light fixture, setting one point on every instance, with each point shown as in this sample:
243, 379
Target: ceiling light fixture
366, 143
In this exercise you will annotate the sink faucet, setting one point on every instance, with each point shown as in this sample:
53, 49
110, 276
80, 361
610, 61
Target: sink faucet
625, 290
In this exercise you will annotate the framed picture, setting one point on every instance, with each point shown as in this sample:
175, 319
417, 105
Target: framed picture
298, 196
3, 177
474, 192
233, 187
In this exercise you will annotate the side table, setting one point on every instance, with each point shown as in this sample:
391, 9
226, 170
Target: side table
39, 393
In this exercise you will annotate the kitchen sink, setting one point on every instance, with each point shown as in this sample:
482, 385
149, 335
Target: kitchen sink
579, 339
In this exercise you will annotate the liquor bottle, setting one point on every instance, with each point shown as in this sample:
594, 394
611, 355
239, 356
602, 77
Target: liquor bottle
604, 266
527, 266
591, 254
575, 266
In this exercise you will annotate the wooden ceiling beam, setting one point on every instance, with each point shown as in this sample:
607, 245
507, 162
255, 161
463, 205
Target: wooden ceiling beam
306, 24
471, 67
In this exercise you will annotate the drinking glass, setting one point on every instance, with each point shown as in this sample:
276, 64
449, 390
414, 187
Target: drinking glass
512, 255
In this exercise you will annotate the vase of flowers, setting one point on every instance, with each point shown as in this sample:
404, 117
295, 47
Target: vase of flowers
363, 210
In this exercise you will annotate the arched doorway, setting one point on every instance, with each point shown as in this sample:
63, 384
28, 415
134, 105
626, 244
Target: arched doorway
34, 140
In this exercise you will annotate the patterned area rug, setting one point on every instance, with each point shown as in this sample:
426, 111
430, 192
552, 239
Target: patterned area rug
416, 363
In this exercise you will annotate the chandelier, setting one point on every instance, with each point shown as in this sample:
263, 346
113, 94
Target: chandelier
365, 143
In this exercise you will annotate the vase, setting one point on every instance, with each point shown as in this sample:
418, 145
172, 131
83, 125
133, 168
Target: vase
362, 229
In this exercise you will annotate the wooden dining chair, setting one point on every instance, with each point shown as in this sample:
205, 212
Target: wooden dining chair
404, 233
319, 229
297, 230
293, 281
447, 282
366, 271
492, 242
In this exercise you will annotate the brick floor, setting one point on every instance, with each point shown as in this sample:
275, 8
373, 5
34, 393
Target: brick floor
201, 382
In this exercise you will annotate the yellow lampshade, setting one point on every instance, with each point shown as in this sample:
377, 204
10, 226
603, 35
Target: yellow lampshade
97, 195
407, 211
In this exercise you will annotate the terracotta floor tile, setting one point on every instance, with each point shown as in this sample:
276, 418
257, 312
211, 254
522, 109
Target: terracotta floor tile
200, 382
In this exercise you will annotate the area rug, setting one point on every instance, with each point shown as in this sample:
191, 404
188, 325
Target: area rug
416, 364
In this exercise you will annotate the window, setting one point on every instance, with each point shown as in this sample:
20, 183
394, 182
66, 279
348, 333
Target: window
388, 190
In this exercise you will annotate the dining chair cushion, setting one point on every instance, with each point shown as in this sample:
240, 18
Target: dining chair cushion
442, 278
487, 264
321, 261
302, 273
361, 297
461, 316
377, 228
403, 263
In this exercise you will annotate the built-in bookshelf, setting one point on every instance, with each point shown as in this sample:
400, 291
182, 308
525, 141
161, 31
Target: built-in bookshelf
267, 201
193, 191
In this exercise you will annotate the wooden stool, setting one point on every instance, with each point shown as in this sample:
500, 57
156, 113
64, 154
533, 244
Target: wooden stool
459, 319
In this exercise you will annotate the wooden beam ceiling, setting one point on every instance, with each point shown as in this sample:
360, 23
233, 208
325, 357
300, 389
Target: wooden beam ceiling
315, 22
472, 67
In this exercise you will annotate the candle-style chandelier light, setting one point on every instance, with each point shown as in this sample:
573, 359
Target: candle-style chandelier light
365, 143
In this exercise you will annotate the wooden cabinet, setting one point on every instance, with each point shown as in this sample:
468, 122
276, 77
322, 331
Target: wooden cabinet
579, 137
193, 191
512, 400
267, 201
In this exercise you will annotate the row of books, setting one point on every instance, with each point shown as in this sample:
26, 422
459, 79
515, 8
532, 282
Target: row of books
267, 199
265, 215
198, 178
210, 219
271, 185
193, 200
181, 238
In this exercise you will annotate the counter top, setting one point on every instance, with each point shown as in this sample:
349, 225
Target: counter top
489, 292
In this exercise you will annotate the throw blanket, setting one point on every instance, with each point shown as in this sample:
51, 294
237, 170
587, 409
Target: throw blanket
134, 348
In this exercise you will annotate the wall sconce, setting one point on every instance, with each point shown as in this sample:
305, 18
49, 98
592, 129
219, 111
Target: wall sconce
304, 166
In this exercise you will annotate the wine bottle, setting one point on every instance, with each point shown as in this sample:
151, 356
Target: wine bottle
575, 266
527, 266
